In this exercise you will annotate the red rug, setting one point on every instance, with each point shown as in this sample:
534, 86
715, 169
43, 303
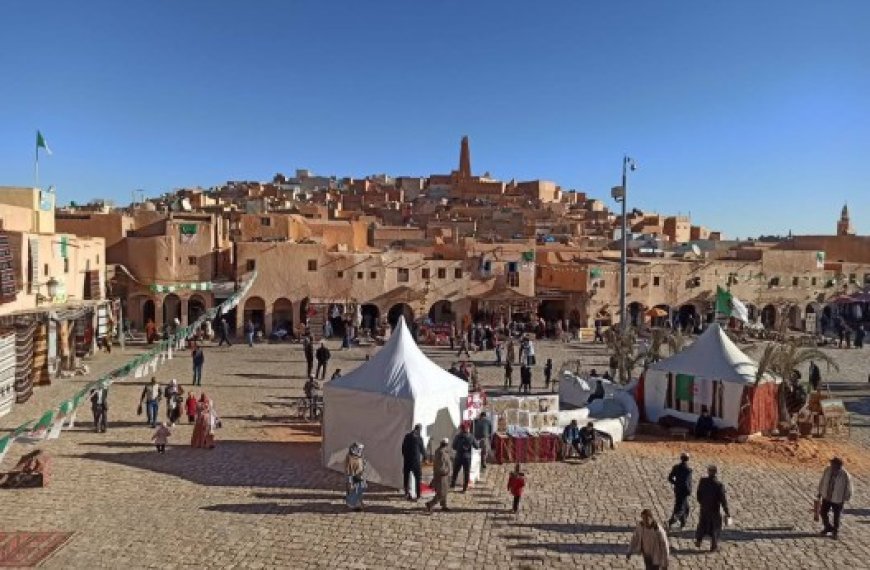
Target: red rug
29, 549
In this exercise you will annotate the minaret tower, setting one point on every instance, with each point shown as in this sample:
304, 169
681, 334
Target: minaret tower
465, 160
844, 226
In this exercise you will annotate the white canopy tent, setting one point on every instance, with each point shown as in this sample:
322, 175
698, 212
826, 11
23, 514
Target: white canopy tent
718, 373
379, 402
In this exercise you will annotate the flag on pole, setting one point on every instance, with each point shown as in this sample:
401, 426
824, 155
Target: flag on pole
730, 306
40, 143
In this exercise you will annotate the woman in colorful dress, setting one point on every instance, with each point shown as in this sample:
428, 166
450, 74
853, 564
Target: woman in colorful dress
354, 468
206, 422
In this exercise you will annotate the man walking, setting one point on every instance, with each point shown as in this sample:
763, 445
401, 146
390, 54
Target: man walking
712, 500
413, 452
308, 350
442, 467
249, 332
323, 355
525, 379
198, 360
681, 480
463, 444
483, 435
835, 489
151, 399
225, 333
99, 407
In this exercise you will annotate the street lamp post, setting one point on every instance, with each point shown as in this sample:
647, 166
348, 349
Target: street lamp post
620, 194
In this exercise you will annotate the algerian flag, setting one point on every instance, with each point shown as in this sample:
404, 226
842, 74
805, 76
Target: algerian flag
685, 387
40, 430
5, 444
730, 306
40, 143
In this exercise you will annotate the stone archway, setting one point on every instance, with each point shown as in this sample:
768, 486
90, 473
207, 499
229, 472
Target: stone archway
171, 309
398, 310
688, 317
442, 312
282, 315
635, 312
552, 310
255, 311
195, 307
768, 316
795, 319
370, 315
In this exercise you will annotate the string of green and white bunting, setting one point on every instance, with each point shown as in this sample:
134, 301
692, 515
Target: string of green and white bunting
50, 424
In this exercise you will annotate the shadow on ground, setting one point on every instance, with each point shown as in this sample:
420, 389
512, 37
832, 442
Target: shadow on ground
235, 464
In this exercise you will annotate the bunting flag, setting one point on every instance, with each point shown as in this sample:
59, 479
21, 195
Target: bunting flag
685, 388
52, 422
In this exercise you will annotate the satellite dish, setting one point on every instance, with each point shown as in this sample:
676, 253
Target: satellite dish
696, 250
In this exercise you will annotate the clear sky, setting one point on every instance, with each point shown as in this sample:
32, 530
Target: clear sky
753, 116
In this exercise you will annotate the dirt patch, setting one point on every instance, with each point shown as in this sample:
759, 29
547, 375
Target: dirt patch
805, 453
291, 433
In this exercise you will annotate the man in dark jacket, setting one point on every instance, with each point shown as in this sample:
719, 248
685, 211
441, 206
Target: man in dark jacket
483, 435
308, 350
463, 443
681, 480
99, 407
224, 328
413, 452
323, 355
525, 379
712, 500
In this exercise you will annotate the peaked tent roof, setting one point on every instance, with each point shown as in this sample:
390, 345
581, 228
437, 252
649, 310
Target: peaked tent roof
713, 355
401, 370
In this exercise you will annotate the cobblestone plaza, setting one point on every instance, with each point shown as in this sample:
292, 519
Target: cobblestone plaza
261, 499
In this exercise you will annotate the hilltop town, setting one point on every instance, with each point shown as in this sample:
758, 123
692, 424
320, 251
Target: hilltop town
442, 249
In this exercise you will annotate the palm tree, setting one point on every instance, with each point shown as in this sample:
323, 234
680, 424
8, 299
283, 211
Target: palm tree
784, 359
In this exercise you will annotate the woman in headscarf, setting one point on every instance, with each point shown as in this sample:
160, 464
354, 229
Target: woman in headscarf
206, 422
173, 394
354, 468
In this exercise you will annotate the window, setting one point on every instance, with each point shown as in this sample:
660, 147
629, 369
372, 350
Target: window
426, 273
813, 281
251, 264
266, 222
853, 278
795, 281
602, 284
513, 279
657, 281
373, 275
98, 259
457, 273
45, 270
867, 279
635, 282
359, 274
312, 265
339, 274
539, 271
403, 275
66, 265
191, 260
442, 273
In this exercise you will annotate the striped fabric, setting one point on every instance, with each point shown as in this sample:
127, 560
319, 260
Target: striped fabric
7, 371
24, 362
7, 272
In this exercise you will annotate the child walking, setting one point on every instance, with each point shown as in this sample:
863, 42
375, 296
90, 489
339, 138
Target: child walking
516, 484
161, 435
190, 407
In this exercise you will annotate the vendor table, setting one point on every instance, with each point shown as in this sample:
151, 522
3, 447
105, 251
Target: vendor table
541, 448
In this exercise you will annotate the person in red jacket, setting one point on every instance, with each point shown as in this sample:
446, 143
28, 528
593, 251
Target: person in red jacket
190, 406
516, 484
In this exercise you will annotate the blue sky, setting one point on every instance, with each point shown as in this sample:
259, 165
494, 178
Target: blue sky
753, 116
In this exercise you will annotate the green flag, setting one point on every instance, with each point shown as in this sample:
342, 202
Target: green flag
684, 387
723, 302
40, 143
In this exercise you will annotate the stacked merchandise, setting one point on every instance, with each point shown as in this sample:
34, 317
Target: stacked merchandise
24, 361
40, 356
7, 272
7, 371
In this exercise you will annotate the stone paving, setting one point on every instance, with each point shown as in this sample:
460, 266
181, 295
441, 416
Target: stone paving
260, 499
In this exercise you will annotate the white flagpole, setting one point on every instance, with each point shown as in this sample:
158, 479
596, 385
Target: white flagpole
36, 163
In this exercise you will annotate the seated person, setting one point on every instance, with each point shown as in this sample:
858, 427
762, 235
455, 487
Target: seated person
704, 427
598, 394
587, 440
571, 437
32, 470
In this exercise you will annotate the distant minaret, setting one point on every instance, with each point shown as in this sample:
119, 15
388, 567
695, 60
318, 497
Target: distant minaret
465, 159
844, 226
